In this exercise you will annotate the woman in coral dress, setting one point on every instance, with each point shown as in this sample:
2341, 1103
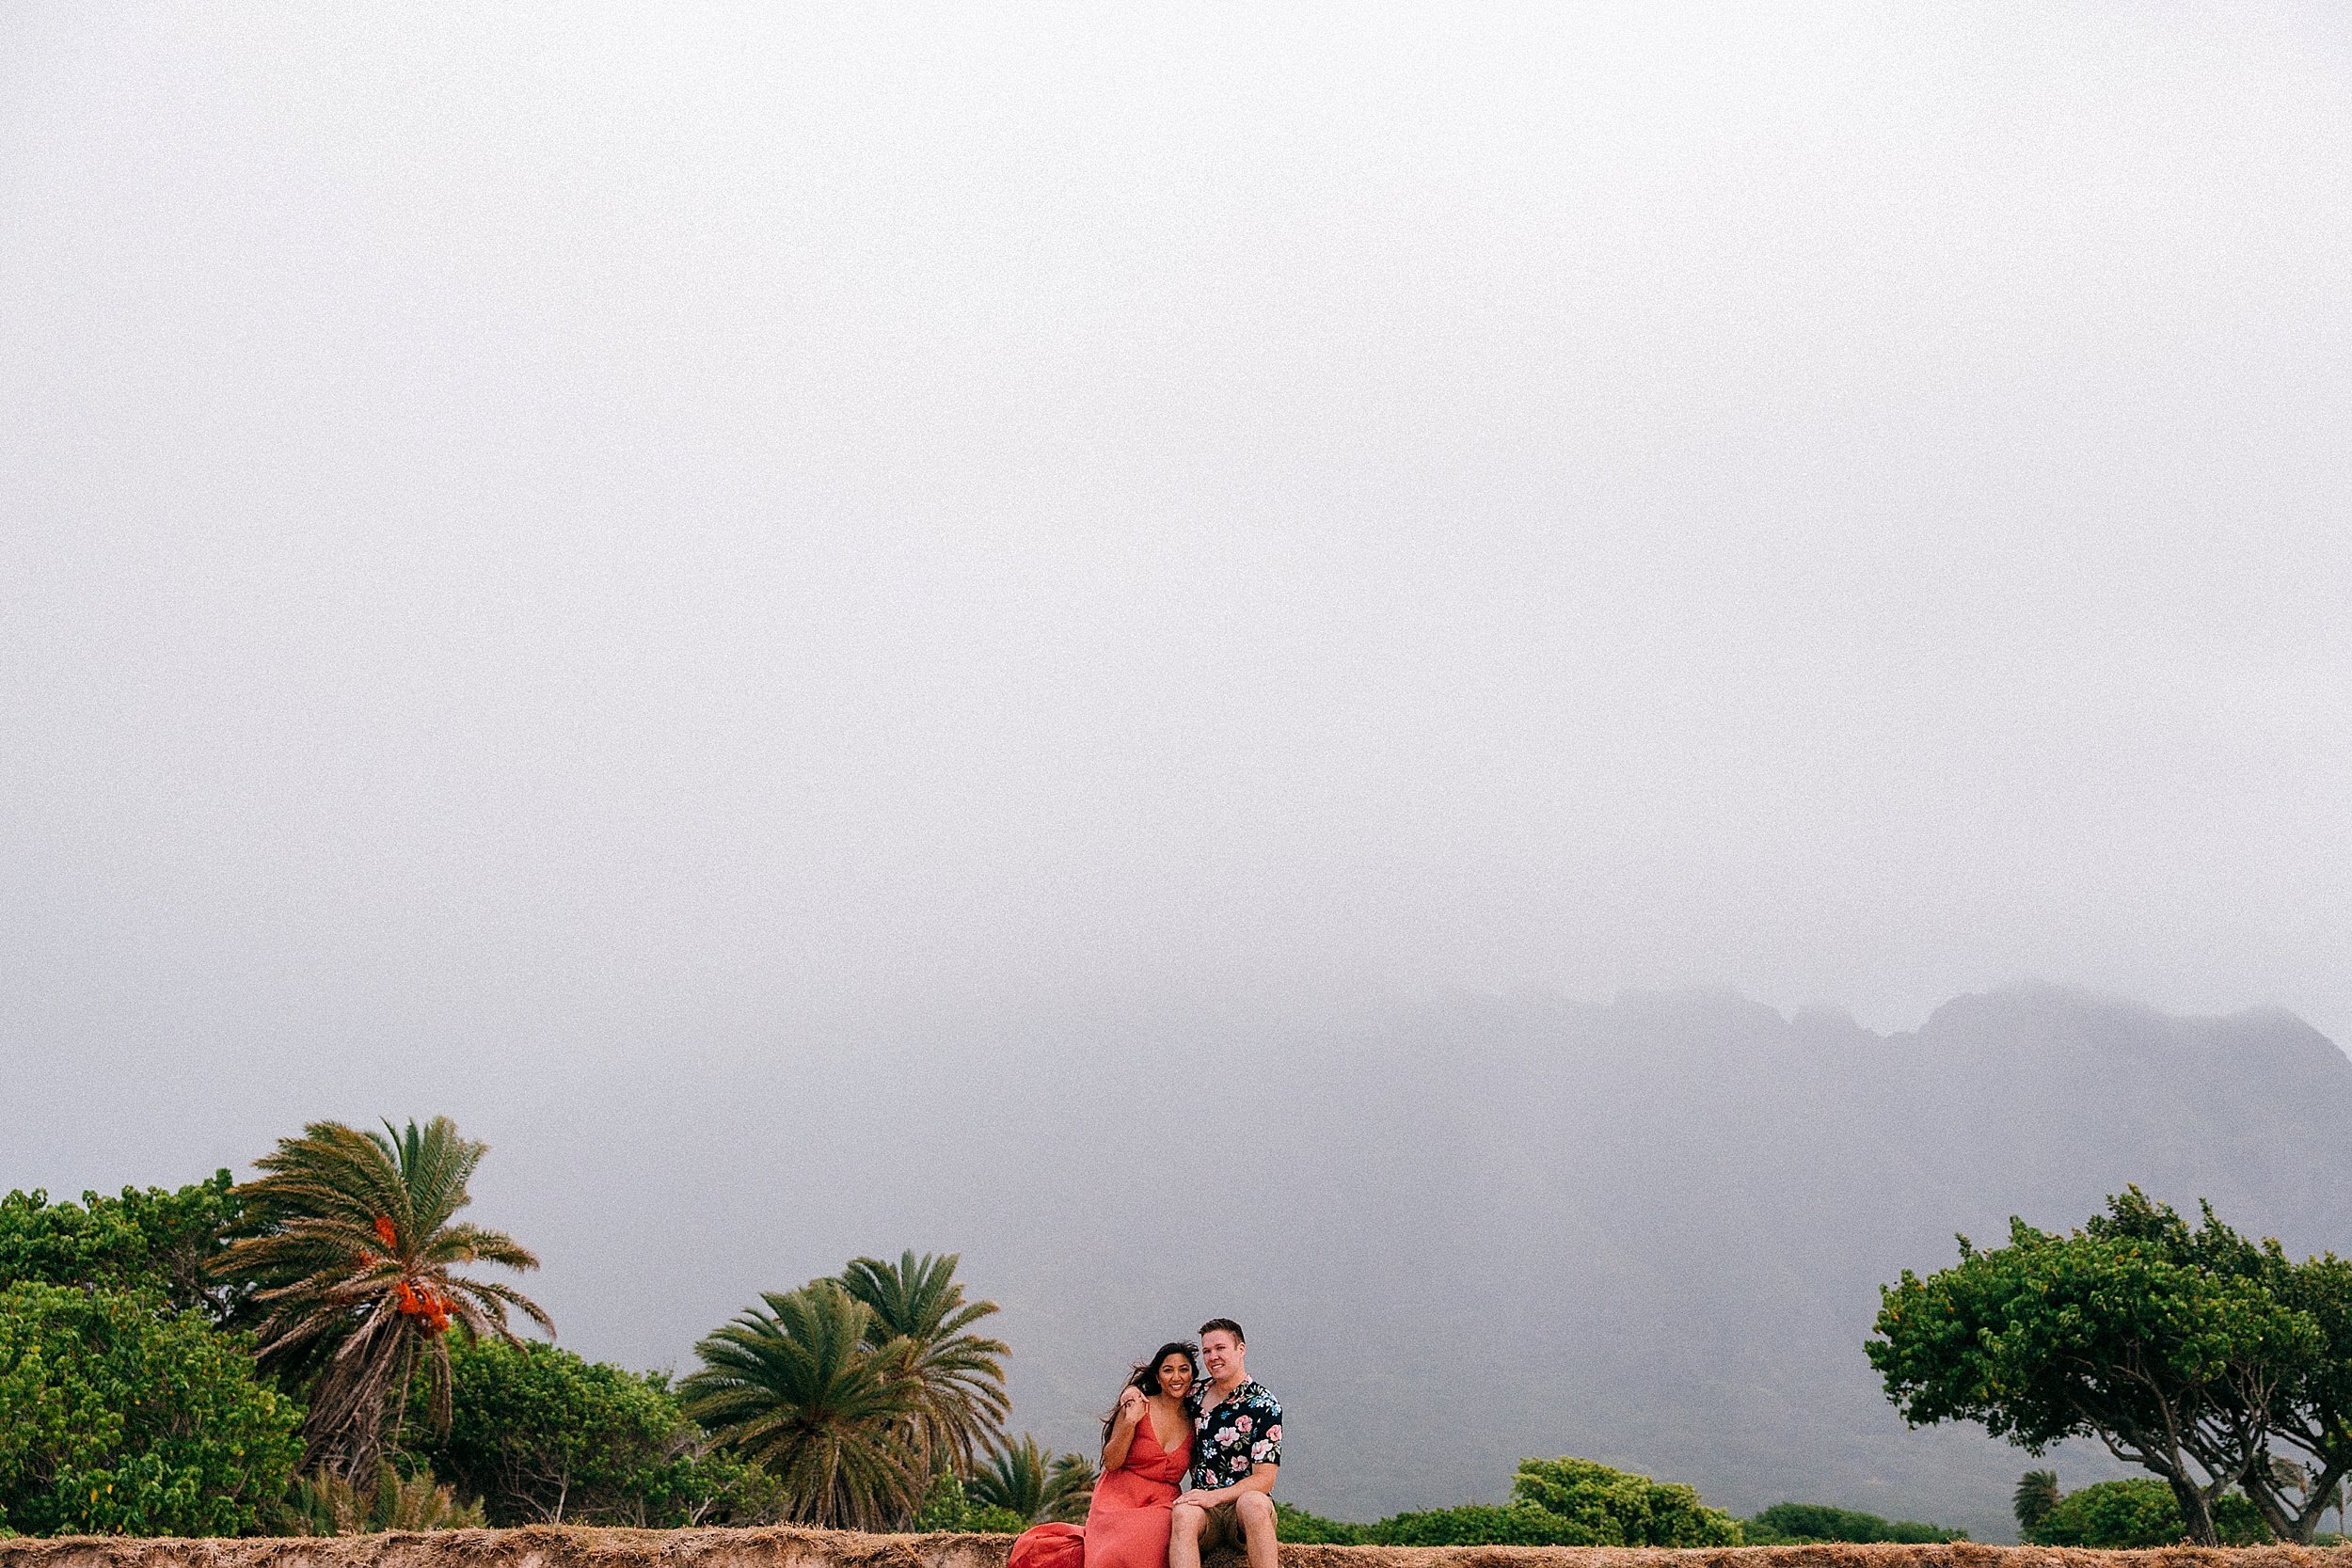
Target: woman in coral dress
1147, 1447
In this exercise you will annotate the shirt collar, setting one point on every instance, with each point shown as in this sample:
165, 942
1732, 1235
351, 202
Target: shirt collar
1240, 1395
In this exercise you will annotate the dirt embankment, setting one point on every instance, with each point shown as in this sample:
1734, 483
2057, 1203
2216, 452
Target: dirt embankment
795, 1548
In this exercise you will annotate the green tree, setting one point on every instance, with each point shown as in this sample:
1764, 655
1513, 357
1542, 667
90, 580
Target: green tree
921, 1316
353, 1271
543, 1436
798, 1388
2169, 1347
144, 1239
2137, 1513
1022, 1480
1622, 1509
2036, 1493
119, 1414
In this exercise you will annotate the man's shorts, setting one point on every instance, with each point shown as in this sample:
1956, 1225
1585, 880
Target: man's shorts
1222, 1528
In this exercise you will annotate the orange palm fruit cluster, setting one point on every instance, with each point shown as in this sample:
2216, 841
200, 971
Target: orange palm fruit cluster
427, 1303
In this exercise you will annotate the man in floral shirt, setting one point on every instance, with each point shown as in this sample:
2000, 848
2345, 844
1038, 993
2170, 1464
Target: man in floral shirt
1236, 1452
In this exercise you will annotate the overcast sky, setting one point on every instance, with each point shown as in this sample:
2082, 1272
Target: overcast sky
556, 534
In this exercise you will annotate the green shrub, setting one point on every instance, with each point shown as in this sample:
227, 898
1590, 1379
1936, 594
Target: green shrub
1617, 1508
1795, 1524
541, 1436
1312, 1529
944, 1505
1518, 1524
2141, 1511
325, 1504
987, 1519
119, 1415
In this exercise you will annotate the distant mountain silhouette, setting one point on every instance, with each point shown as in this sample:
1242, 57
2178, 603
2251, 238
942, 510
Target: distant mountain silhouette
1649, 1232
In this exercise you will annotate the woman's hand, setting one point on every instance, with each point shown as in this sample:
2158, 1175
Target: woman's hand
1130, 1405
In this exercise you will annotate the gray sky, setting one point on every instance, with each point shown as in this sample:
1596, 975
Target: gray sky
548, 536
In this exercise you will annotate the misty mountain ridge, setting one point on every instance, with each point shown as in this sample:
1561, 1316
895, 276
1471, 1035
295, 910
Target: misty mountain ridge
1460, 1232
1649, 1231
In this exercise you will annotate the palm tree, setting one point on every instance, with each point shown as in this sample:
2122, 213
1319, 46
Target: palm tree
2036, 1493
798, 1389
1019, 1477
921, 1316
351, 1267
1068, 1489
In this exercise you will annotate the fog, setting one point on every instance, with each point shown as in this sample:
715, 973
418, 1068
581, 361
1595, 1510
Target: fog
562, 551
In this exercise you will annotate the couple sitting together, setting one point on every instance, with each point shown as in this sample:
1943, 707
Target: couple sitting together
1220, 1441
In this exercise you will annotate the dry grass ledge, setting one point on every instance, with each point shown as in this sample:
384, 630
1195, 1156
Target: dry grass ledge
569, 1548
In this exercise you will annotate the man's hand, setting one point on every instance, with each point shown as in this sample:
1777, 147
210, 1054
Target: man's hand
1198, 1499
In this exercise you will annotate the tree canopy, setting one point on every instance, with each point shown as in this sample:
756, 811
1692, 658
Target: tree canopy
2189, 1352
542, 1437
143, 1240
121, 1414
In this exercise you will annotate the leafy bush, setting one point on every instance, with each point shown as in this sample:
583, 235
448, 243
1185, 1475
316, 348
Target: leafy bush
1617, 1508
1312, 1529
149, 1240
1554, 1502
541, 1436
2139, 1513
119, 1415
989, 1519
1795, 1524
1519, 1524
948, 1507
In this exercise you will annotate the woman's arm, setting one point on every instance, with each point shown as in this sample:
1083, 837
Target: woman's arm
1123, 1430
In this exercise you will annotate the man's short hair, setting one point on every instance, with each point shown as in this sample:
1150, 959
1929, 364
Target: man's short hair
1228, 1325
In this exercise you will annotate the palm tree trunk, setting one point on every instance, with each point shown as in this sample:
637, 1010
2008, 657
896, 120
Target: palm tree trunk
407, 1375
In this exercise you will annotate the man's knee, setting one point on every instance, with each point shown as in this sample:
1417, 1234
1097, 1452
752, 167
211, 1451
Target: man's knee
1187, 1519
1255, 1508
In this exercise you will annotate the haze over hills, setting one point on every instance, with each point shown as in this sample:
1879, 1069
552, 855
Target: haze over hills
1648, 1232
1459, 1231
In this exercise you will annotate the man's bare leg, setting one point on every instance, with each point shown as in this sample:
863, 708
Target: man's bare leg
1183, 1537
1257, 1528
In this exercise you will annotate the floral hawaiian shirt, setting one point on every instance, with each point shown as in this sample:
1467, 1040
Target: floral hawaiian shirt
1246, 1429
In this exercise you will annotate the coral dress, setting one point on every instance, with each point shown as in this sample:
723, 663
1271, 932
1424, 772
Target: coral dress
1128, 1522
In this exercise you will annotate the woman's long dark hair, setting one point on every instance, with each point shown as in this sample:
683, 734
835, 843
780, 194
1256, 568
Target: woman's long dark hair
1147, 1376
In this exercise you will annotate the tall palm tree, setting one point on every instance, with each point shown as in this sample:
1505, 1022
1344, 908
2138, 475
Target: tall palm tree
796, 1388
351, 1267
2036, 1493
920, 1316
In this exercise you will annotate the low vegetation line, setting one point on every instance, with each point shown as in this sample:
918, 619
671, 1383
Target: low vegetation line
580, 1546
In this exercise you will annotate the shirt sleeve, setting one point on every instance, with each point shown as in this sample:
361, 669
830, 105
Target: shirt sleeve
1265, 1444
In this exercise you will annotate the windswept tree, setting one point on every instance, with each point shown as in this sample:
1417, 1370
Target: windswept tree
2192, 1353
798, 1388
352, 1269
918, 1315
1022, 1480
